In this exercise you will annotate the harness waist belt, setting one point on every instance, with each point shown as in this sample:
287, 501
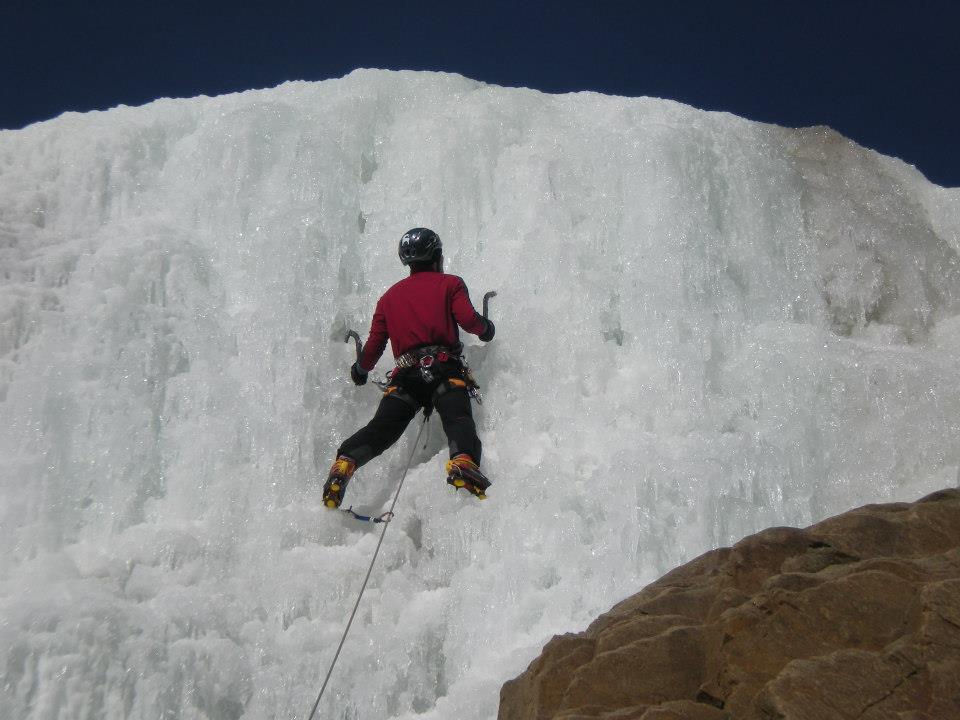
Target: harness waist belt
413, 357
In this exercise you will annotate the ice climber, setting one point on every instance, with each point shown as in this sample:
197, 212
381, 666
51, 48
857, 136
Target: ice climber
419, 315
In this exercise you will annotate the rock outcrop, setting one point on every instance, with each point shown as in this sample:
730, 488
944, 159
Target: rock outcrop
855, 617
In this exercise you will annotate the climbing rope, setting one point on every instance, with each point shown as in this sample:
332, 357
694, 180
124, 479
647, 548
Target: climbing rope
385, 520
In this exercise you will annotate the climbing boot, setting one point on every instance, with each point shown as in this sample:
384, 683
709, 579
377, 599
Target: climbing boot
463, 472
340, 473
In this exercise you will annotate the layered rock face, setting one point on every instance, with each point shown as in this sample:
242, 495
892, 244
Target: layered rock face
855, 617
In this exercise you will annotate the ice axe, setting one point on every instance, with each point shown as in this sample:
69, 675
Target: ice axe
486, 301
359, 345
356, 340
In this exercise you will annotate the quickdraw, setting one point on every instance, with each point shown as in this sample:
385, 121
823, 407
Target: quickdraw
384, 518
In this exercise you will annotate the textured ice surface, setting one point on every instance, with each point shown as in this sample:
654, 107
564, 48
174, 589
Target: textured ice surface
705, 325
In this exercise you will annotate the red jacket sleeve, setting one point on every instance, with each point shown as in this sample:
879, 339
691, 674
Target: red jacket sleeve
376, 341
464, 313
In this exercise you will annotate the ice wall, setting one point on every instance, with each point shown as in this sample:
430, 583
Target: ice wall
705, 326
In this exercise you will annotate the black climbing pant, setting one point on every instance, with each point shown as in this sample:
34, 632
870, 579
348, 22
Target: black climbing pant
407, 394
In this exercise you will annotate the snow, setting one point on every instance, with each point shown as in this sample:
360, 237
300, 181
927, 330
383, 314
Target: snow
705, 326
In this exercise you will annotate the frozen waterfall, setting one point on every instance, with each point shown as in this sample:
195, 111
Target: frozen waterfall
706, 326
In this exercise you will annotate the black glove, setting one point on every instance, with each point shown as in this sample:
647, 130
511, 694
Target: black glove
487, 335
358, 374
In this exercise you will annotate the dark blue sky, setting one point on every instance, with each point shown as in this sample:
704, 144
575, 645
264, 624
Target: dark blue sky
883, 73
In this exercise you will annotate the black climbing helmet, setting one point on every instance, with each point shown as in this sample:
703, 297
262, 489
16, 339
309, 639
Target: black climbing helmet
419, 245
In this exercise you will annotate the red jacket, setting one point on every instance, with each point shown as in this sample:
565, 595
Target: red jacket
422, 309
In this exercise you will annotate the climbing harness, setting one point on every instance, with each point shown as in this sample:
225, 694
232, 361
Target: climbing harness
415, 357
424, 359
384, 519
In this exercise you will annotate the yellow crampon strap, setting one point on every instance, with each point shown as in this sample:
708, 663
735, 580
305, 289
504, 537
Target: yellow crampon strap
452, 383
399, 394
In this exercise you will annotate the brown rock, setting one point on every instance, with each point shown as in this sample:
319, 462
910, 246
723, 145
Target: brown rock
844, 684
550, 676
640, 627
601, 713
651, 670
855, 617
684, 710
